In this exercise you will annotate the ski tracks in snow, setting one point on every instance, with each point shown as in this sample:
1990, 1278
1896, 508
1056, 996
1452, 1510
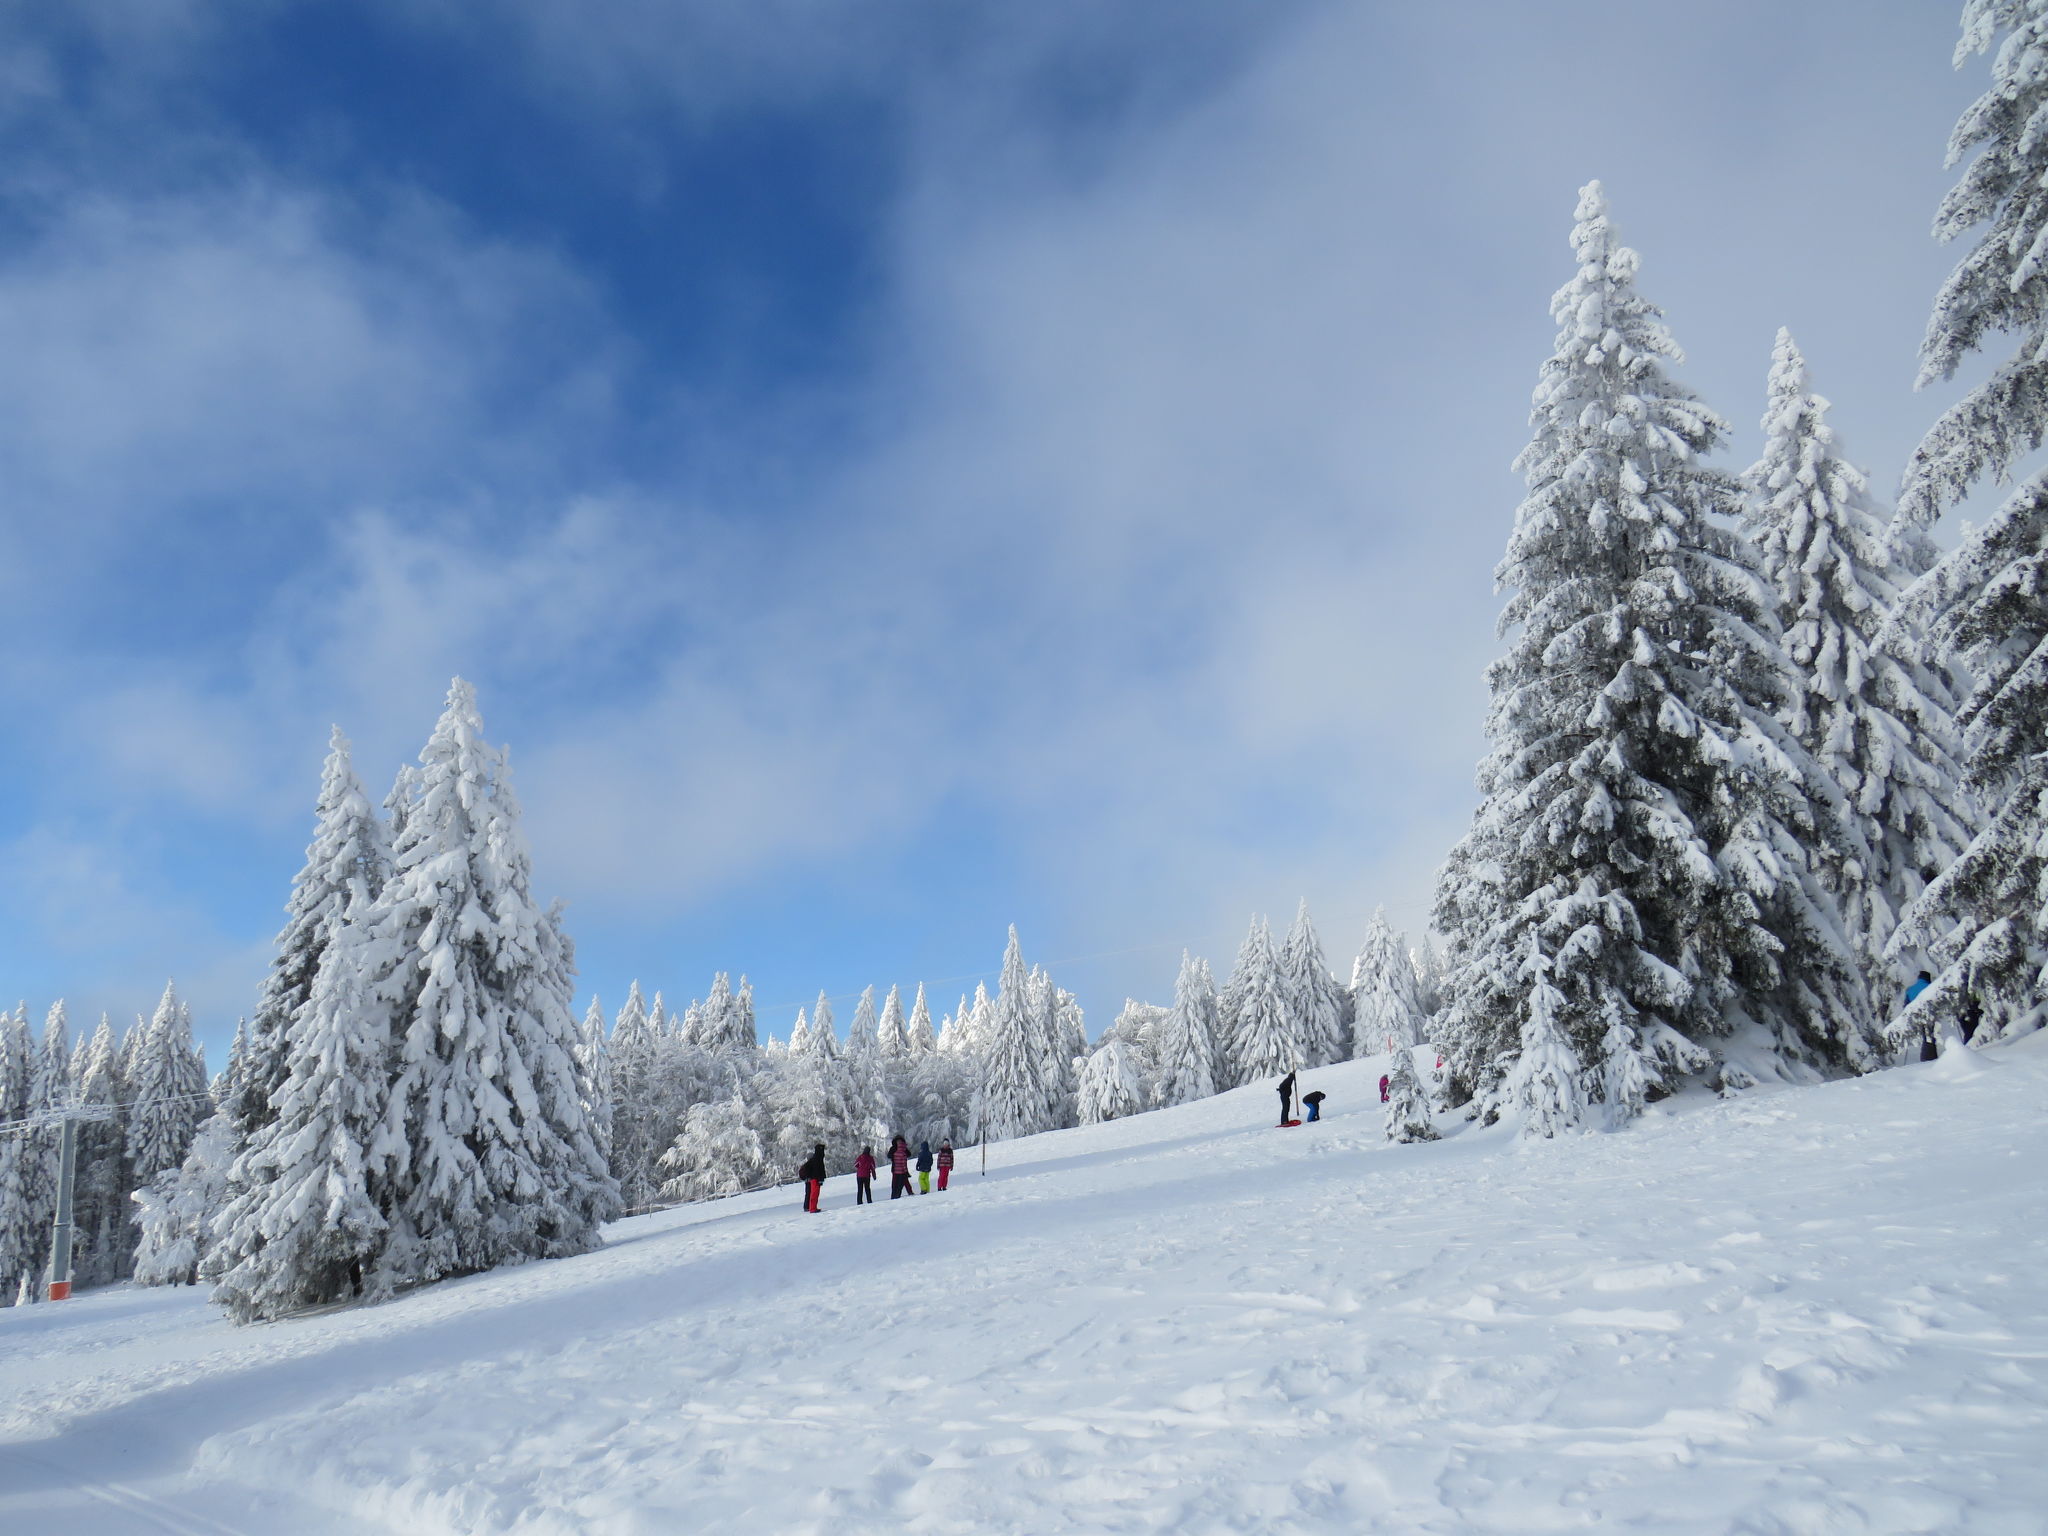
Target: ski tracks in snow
1795, 1313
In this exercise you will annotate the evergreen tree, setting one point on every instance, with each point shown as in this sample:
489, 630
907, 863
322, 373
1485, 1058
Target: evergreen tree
1110, 1087
176, 1210
1314, 994
1186, 1037
635, 1051
1642, 806
739, 1025
1265, 1032
1230, 1004
312, 1193
892, 1035
51, 1089
499, 1164
350, 848
1984, 607
18, 1213
168, 1090
1879, 724
718, 1153
1013, 1099
1409, 1116
1429, 977
102, 1240
594, 1060
1386, 1013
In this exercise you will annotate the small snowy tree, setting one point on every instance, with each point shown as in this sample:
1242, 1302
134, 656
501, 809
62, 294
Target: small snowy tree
594, 1062
1185, 1038
176, 1210
1546, 1086
1386, 1013
1409, 1115
19, 1215
1110, 1085
719, 1152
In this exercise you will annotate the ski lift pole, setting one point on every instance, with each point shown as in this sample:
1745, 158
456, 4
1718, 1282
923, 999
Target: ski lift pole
61, 1228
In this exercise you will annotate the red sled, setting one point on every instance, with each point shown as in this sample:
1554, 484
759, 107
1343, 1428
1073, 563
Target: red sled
1286, 1123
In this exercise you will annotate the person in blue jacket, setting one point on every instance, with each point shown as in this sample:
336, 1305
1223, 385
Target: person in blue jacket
924, 1167
1918, 985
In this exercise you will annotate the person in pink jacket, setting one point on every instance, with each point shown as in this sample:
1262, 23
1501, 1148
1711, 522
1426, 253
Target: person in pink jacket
864, 1177
945, 1162
899, 1168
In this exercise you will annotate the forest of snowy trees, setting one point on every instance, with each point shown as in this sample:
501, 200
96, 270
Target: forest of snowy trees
1759, 750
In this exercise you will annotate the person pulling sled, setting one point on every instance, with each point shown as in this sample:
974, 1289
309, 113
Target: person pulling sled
1287, 1100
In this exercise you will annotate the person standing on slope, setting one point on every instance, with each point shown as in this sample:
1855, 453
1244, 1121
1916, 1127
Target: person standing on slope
864, 1177
813, 1175
945, 1162
1929, 1050
899, 1168
1287, 1098
924, 1167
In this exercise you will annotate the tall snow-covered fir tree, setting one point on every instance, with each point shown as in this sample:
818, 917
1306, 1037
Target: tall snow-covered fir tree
1873, 716
1641, 807
498, 1161
1185, 1040
1263, 1030
594, 1061
1316, 998
1409, 1111
635, 1052
176, 1210
103, 1245
1386, 1013
51, 1088
350, 849
1985, 605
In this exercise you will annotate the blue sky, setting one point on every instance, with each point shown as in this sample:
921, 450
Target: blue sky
891, 470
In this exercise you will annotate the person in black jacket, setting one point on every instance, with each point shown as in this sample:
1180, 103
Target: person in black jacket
1287, 1098
813, 1175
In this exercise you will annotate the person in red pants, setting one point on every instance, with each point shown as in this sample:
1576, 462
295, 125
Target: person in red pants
813, 1175
945, 1162
899, 1168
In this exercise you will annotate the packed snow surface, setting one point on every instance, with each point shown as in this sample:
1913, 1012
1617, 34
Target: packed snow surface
1807, 1310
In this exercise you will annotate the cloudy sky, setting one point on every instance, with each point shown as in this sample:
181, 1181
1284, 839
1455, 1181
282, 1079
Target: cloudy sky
893, 468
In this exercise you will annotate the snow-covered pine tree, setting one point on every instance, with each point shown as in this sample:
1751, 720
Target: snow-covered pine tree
594, 1061
739, 1021
1984, 606
1408, 1107
1429, 976
167, 1092
634, 1050
51, 1088
864, 1063
1386, 1013
892, 1034
1877, 720
718, 1153
500, 1165
1013, 1099
1230, 1003
1185, 1038
1314, 993
103, 1240
18, 1215
940, 1085
1642, 805
222, 1087
715, 1034
1546, 1087
1110, 1085
312, 1193
350, 847
1265, 1032
176, 1210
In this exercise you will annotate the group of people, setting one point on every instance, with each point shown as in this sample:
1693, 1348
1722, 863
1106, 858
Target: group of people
901, 1161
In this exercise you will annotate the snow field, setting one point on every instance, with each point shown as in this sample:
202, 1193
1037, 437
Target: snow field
1801, 1311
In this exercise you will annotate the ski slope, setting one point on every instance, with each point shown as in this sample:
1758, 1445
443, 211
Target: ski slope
1809, 1310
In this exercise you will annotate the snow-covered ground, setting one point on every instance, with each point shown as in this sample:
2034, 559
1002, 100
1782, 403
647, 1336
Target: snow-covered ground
1802, 1311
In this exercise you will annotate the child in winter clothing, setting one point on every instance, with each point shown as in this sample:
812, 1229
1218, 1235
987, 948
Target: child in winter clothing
945, 1162
1314, 1103
1384, 1081
864, 1177
899, 1168
924, 1167
813, 1174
